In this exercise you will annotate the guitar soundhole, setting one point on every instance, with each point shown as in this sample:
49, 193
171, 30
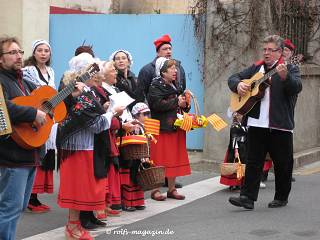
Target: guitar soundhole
253, 85
34, 128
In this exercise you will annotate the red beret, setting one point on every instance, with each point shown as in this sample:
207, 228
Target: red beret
165, 39
287, 43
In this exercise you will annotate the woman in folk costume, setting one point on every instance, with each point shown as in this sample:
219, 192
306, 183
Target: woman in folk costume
166, 99
131, 193
39, 72
81, 187
126, 80
237, 146
113, 200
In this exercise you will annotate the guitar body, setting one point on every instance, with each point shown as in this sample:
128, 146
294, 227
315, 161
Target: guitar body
243, 104
31, 135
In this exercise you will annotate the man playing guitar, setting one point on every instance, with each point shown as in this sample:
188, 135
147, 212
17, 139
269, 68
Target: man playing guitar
271, 123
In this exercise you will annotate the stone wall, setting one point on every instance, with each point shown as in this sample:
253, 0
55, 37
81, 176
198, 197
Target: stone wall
19, 18
307, 130
127, 6
100, 6
155, 6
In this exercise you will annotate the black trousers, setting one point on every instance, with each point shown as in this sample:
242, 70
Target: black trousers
279, 144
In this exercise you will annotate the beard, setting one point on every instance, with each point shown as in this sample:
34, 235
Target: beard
12, 66
17, 66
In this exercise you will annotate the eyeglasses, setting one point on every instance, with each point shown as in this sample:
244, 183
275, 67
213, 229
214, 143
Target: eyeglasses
270, 49
14, 52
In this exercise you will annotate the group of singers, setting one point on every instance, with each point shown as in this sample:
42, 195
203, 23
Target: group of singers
95, 182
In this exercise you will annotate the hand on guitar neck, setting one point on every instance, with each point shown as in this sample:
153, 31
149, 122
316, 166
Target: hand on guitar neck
78, 89
242, 88
282, 71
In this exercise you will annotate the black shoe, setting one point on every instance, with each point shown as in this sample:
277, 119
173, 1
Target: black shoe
242, 201
234, 188
177, 185
140, 207
89, 225
98, 222
277, 203
128, 209
116, 207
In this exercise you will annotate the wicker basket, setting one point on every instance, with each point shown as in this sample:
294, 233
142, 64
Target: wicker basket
231, 168
151, 178
134, 151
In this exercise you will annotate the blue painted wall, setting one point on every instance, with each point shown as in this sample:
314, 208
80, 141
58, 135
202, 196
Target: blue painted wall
136, 34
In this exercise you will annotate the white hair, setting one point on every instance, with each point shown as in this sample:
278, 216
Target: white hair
81, 61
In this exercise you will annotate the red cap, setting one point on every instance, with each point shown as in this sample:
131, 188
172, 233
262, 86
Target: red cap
287, 43
165, 39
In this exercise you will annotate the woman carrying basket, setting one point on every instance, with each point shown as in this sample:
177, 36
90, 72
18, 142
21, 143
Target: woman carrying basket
166, 99
237, 146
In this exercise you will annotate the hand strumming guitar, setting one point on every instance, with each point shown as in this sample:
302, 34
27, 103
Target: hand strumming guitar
40, 118
242, 88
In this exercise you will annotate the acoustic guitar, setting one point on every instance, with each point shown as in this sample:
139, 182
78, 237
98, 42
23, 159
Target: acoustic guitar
47, 99
258, 85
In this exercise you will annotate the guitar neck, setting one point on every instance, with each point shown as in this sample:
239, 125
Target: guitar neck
65, 92
267, 76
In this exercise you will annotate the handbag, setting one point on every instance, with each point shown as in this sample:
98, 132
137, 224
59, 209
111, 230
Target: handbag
233, 168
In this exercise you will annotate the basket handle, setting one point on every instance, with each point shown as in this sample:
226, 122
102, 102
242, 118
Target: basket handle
236, 156
239, 164
195, 102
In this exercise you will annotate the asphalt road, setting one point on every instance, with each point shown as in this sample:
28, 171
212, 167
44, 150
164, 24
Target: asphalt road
208, 217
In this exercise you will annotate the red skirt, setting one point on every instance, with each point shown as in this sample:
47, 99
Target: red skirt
114, 194
131, 194
267, 165
43, 182
79, 189
170, 151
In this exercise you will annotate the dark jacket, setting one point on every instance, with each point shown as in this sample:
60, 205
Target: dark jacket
11, 154
148, 73
163, 102
283, 95
130, 86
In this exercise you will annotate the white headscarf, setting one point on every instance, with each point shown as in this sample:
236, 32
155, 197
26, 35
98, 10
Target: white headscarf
159, 64
111, 58
38, 42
